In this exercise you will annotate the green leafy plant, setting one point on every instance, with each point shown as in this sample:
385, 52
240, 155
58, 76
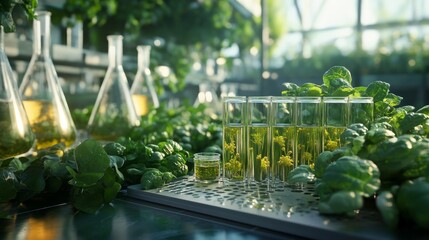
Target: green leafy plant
185, 29
94, 182
412, 199
92, 174
395, 147
344, 181
7, 8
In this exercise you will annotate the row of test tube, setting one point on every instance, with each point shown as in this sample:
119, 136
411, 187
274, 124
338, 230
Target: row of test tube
265, 137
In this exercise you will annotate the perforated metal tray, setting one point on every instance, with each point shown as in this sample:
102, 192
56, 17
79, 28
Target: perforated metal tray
282, 208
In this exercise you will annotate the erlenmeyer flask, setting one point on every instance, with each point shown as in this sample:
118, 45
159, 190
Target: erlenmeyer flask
143, 91
16, 135
41, 92
113, 114
207, 96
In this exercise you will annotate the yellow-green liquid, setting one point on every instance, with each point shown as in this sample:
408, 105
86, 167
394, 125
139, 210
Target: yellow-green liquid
206, 171
141, 104
309, 144
16, 135
49, 128
283, 152
258, 152
234, 161
331, 137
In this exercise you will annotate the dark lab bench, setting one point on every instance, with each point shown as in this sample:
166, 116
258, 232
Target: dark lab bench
126, 218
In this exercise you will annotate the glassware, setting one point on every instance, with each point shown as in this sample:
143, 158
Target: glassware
207, 96
234, 165
258, 141
41, 92
206, 167
16, 135
335, 119
308, 131
228, 89
283, 131
361, 110
113, 114
143, 91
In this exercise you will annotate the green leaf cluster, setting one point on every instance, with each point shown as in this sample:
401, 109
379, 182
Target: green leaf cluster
187, 125
7, 8
94, 182
388, 158
154, 178
168, 157
92, 174
28, 177
399, 148
186, 28
412, 199
345, 182
337, 82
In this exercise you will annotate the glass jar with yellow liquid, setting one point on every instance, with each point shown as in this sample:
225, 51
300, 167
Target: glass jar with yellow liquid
41, 92
143, 91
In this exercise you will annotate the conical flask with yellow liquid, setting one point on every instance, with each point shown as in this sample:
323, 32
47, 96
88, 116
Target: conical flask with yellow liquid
41, 92
16, 135
142, 90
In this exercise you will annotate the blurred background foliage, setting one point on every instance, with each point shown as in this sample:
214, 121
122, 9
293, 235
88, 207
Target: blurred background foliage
376, 38
176, 28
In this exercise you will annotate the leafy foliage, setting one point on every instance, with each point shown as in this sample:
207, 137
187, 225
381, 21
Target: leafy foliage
93, 174
337, 82
412, 199
395, 147
186, 28
7, 7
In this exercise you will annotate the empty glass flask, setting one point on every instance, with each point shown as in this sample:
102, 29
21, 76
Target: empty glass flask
16, 135
113, 114
41, 92
143, 91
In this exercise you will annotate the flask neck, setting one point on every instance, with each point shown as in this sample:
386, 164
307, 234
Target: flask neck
143, 56
42, 33
115, 50
1, 38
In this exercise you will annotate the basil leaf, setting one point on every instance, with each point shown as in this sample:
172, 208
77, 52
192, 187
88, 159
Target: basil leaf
91, 157
335, 73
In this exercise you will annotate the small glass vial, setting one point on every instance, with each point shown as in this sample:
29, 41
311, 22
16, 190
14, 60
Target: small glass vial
143, 91
207, 167
41, 92
16, 135
113, 114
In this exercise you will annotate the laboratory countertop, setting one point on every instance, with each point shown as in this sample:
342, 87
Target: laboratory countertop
125, 218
